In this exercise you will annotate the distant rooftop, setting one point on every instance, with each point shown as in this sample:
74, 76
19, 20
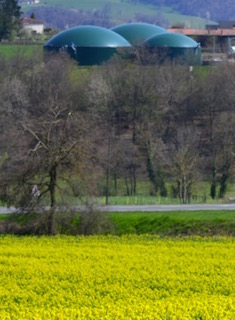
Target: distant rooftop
31, 21
227, 24
29, 1
220, 32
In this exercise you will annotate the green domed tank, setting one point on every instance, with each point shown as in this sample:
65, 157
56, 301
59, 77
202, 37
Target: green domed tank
175, 47
89, 45
136, 33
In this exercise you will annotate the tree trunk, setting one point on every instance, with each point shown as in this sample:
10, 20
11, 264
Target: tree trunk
108, 171
151, 172
134, 179
115, 182
134, 116
127, 186
52, 187
224, 179
184, 189
213, 184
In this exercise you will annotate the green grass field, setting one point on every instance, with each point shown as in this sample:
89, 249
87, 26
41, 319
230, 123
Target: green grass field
10, 50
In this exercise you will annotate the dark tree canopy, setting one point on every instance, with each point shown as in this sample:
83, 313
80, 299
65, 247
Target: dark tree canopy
9, 18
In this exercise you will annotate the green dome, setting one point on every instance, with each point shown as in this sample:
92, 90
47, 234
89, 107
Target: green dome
171, 40
136, 33
88, 36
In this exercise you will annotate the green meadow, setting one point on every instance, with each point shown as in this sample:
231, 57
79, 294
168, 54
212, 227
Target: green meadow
10, 50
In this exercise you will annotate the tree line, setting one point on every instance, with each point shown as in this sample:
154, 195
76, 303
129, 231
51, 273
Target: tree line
101, 130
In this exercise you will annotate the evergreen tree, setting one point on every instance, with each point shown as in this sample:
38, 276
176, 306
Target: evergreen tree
9, 18
33, 16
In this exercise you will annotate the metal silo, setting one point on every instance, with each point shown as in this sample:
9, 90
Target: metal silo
89, 45
136, 33
174, 47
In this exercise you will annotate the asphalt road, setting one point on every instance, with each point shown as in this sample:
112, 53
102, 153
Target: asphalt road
184, 207
4, 210
148, 208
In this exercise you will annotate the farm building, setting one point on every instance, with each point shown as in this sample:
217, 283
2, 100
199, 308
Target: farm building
33, 25
89, 45
137, 33
92, 45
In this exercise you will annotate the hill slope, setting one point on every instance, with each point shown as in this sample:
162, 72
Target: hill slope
214, 9
61, 14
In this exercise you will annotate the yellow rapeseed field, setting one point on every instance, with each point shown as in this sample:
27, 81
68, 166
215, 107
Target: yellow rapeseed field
109, 277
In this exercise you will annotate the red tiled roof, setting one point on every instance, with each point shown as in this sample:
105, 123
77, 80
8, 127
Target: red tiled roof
31, 21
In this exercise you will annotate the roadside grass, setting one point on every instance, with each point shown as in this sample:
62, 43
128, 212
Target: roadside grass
174, 223
177, 223
3, 217
208, 215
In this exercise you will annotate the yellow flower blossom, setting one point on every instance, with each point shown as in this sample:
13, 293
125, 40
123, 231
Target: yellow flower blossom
114, 278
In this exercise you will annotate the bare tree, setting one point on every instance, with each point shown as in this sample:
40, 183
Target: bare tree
214, 105
180, 158
44, 132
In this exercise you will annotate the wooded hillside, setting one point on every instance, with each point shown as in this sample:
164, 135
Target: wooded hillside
63, 14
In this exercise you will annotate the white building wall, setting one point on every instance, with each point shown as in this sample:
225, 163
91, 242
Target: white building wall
38, 28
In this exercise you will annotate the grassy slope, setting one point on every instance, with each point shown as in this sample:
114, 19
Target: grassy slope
203, 223
176, 223
123, 10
